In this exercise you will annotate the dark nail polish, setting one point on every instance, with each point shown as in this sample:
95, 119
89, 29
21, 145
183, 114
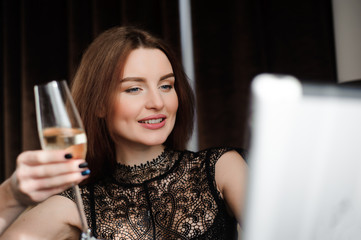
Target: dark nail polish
86, 172
83, 165
68, 156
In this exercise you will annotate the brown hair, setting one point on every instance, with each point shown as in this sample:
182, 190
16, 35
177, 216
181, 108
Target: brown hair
94, 86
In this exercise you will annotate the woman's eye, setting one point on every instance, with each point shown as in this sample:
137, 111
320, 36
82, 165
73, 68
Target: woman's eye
166, 87
133, 90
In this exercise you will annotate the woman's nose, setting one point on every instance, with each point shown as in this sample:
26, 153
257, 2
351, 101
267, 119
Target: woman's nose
154, 100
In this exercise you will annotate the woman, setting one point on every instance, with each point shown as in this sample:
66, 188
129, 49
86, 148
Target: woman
137, 108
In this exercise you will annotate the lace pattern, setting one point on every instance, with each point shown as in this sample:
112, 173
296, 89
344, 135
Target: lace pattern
139, 173
171, 197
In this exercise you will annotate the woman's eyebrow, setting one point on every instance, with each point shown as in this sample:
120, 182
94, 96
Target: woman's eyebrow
167, 76
139, 79
132, 79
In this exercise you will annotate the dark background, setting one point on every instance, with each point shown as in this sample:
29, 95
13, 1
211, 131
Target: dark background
233, 41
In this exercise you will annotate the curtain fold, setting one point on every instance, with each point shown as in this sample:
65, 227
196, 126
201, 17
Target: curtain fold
233, 41
11, 114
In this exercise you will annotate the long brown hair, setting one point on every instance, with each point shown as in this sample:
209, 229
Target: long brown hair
94, 87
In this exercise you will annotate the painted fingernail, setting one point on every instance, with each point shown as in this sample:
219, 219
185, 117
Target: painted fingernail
83, 165
86, 172
68, 156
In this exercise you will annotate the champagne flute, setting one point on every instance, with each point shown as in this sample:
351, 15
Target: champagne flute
60, 127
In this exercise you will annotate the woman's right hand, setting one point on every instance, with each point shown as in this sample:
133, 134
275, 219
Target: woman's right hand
41, 174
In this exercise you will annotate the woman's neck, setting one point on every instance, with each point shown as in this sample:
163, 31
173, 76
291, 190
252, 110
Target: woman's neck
137, 155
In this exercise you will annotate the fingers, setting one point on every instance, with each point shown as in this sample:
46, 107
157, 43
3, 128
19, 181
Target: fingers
36, 195
43, 189
41, 174
33, 191
42, 157
33, 185
49, 170
40, 196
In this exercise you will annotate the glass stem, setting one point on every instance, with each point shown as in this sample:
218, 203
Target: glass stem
79, 204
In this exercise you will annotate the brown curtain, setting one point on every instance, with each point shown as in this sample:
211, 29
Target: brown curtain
236, 40
233, 41
43, 40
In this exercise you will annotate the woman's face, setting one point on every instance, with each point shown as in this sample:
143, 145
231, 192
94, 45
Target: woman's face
146, 102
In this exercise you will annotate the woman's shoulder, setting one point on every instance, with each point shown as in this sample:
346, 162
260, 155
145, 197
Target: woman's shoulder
53, 218
209, 157
64, 209
214, 153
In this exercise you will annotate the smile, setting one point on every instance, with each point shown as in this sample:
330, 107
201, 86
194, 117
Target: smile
153, 121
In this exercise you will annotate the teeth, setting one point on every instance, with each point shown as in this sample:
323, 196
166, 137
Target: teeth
152, 121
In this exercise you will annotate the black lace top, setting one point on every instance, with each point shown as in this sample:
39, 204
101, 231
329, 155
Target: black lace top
172, 197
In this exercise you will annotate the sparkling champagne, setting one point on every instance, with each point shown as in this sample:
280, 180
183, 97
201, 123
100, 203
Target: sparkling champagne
71, 139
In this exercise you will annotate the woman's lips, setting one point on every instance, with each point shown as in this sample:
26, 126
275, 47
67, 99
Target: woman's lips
153, 122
